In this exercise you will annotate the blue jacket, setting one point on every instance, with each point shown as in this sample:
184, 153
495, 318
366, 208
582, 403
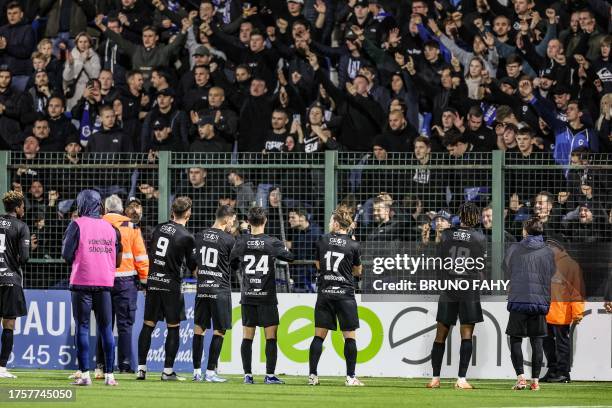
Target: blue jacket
530, 265
567, 139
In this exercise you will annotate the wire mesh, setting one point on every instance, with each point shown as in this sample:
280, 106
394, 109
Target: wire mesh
289, 187
401, 202
573, 201
51, 183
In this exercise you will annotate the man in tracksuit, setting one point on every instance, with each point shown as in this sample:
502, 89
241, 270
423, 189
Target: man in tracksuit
93, 247
133, 271
530, 265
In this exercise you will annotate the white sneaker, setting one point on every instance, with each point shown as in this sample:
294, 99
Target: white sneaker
353, 382
5, 374
313, 380
76, 375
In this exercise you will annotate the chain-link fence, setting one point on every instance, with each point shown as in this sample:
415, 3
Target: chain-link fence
51, 183
402, 202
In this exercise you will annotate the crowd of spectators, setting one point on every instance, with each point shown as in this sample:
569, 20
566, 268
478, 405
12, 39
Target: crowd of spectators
417, 80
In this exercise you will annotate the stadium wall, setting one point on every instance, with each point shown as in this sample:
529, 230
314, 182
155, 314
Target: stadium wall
394, 340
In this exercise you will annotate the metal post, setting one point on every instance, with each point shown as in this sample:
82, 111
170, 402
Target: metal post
497, 235
164, 186
331, 159
5, 157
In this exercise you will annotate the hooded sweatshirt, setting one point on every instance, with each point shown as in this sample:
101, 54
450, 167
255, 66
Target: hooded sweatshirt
92, 246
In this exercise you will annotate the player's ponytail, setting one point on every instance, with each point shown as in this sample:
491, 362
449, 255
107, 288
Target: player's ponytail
343, 215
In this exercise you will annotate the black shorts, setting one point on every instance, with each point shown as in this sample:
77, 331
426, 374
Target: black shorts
344, 311
469, 312
162, 305
526, 325
219, 310
259, 315
12, 302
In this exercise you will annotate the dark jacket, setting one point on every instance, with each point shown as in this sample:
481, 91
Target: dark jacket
529, 265
362, 116
113, 140
180, 129
80, 12
19, 46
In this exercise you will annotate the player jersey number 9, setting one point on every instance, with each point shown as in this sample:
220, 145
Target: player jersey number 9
162, 246
261, 267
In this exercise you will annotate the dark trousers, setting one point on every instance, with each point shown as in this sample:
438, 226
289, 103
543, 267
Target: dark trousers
123, 296
557, 348
83, 302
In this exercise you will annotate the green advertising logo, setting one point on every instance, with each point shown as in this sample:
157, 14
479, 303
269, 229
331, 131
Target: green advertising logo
287, 340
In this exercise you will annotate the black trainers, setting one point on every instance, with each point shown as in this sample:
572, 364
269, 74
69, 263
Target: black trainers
171, 377
142, 375
548, 376
560, 379
126, 370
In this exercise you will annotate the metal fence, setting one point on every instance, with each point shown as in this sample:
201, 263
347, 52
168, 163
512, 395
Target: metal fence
401, 201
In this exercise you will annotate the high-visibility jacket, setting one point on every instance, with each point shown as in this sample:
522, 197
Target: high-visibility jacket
567, 291
135, 261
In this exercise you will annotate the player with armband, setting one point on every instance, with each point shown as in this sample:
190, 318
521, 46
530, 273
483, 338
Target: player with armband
338, 261
255, 254
459, 244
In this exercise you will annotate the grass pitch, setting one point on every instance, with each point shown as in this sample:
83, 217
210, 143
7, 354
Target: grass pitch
378, 392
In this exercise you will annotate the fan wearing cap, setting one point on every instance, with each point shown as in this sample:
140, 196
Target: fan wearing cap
207, 139
167, 114
150, 54
111, 138
362, 18
350, 57
589, 227
201, 57
163, 137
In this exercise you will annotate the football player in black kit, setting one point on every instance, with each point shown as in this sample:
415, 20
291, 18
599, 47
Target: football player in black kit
214, 297
338, 260
255, 254
14, 253
459, 242
171, 246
